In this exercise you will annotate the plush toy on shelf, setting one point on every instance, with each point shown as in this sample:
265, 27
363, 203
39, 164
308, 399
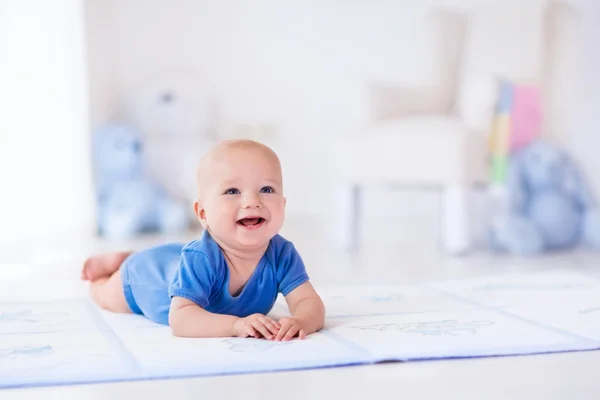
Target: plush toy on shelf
546, 204
129, 202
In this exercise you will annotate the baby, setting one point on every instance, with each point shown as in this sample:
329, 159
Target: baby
226, 282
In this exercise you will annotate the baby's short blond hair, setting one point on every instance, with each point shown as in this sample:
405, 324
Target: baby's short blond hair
226, 146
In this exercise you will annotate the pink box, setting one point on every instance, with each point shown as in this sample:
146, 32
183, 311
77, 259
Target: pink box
526, 116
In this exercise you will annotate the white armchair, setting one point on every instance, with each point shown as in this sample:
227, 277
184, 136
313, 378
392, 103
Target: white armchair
438, 136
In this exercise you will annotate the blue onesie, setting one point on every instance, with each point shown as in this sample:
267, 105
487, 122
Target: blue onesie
198, 272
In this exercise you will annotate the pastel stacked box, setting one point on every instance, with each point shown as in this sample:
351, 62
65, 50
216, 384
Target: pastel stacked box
517, 121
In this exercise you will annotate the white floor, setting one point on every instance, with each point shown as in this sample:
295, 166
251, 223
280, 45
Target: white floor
47, 272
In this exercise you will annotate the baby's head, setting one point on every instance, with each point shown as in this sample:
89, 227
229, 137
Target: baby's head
240, 194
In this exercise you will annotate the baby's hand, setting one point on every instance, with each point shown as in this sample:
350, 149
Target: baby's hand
290, 327
256, 325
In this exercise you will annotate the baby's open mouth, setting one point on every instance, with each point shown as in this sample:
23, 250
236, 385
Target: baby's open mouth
251, 221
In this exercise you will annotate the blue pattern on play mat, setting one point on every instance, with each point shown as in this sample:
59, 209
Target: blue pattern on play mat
72, 341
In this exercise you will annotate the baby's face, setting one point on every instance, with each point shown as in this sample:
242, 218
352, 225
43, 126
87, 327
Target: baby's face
243, 204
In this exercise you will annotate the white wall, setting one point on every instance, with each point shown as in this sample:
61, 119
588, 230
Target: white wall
585, 140
101, 39
44, 141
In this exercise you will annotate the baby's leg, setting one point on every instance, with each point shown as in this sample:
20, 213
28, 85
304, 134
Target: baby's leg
107, 292
103, 265
106, 287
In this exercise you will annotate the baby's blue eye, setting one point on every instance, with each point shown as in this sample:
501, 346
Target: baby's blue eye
267, 189
232, 191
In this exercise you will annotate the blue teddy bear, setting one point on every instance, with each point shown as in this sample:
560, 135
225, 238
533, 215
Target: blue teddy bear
128, 202
547, 206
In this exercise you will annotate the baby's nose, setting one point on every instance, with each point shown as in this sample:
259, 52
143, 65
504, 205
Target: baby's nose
251, 200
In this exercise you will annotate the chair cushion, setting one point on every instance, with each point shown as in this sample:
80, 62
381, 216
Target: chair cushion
415, 150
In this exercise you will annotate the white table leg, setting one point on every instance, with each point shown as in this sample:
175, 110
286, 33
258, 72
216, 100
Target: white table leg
348, 210
455, 230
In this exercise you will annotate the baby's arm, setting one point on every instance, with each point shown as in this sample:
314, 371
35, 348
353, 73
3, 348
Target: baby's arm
187, 319
308, 313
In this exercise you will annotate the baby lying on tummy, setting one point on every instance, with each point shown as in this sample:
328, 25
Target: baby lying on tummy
225, 283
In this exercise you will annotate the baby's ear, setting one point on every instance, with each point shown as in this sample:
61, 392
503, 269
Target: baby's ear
200, 213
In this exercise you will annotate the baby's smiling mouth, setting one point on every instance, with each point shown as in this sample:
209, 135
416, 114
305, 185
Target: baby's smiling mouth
251, 222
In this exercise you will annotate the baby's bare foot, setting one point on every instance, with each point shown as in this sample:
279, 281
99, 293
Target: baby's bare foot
102, 265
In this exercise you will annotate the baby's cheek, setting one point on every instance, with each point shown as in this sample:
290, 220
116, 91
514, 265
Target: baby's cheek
217, 218
277, 212
275, 201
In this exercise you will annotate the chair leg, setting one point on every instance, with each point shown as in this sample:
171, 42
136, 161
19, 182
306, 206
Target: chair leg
348, 218
455, 226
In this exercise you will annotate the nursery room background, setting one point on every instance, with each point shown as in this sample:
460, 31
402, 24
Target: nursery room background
391, 102
413, 82
397, 123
